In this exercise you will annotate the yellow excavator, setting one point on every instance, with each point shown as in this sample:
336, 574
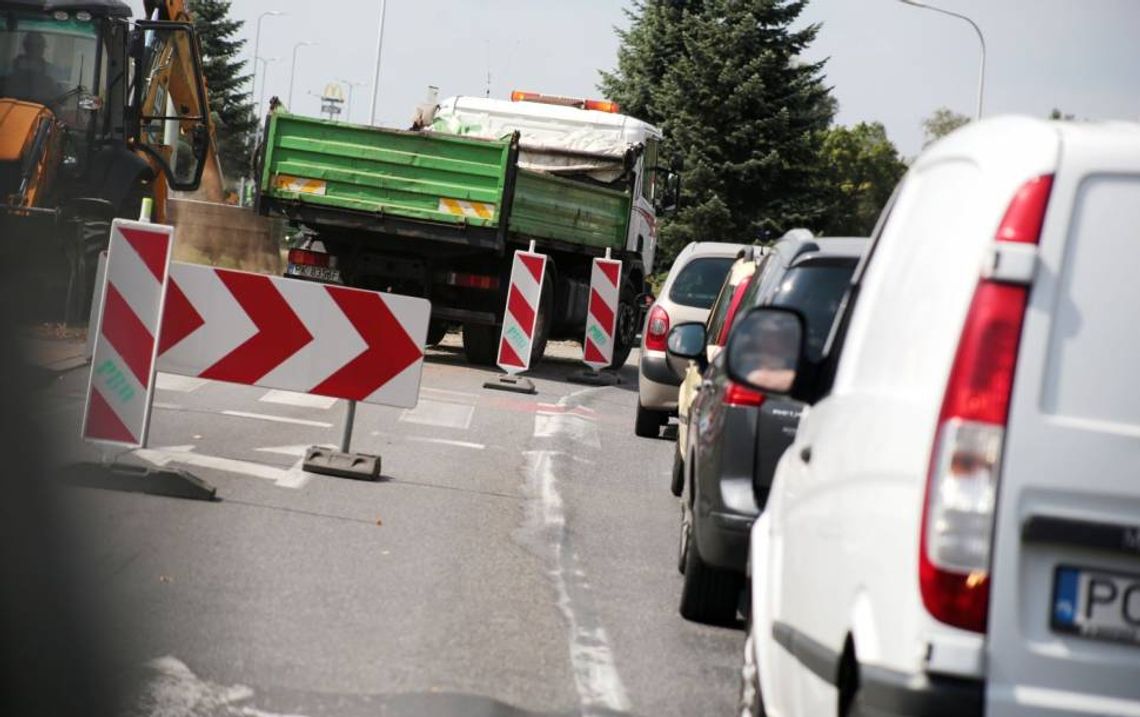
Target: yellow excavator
98, 111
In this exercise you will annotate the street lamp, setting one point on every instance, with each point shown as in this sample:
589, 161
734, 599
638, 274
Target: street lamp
264, 80
257, 47
293, 72
981, 39
376, 66
350, 84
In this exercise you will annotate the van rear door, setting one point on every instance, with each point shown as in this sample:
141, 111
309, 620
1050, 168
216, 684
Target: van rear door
1064, 618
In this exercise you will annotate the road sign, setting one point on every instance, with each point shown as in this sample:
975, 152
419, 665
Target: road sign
601, 319
293, 335
521, 315
121, 383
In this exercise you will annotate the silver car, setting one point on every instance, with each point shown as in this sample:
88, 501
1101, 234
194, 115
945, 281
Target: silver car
687, 295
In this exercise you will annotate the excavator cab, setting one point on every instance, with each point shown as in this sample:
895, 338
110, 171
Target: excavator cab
96, 113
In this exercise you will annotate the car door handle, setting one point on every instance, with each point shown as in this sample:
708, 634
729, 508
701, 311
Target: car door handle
805, 454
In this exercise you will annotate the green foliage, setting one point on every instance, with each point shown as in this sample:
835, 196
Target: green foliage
941, 123
226, 82
742, 114
1057, 114
863, 167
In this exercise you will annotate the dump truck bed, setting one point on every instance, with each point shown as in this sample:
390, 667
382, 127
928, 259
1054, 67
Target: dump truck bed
429, 185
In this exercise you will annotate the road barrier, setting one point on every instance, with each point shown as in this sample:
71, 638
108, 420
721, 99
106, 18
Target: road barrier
121, 384
248, 329
520, 319
601, 323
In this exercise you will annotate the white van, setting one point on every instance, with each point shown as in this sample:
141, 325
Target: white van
956, 528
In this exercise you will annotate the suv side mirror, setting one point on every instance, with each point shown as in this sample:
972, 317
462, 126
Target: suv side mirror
766, 351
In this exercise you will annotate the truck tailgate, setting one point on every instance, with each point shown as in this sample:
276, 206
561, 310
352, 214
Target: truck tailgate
412, 175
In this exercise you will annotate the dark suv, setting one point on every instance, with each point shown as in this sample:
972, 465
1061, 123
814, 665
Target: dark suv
735, 434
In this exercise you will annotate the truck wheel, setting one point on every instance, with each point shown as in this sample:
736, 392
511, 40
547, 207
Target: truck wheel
542, 321
436, 331
625, 333
709, 595
479, 343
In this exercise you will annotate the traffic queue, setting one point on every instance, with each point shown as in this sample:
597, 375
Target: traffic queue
907, 462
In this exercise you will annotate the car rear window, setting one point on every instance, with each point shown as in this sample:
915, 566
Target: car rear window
815, 291
699, 282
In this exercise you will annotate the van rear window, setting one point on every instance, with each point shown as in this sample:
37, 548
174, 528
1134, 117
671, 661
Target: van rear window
815, 291
699, 282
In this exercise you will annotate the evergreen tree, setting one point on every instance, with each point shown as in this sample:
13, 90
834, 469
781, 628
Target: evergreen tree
740, 111
226, 83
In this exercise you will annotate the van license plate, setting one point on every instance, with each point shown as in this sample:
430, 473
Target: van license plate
1097, 604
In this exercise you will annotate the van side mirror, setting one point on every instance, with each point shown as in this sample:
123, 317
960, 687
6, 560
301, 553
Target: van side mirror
766, 351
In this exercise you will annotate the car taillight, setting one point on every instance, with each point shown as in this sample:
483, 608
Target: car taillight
305, 257
737, 395
656, 329
965, 465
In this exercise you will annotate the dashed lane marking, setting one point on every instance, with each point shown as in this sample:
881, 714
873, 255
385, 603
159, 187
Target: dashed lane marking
181, 384
445, 442
277, 419
443, 414
300, 400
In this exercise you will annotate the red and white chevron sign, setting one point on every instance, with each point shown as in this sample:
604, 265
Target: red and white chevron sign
293, 335
122, 367
601, 320
521, 315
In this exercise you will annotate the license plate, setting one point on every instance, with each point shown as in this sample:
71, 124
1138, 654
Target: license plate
317, 273
1097, 604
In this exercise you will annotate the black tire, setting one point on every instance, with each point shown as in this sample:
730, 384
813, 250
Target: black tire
436, 331
684, 541
625, 333
542, 321
709, 595
479, 343
649, 422
678, 474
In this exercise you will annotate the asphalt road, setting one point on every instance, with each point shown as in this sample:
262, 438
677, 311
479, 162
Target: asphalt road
517, 558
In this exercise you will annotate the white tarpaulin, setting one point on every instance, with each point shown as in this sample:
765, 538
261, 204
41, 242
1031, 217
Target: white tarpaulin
554, 139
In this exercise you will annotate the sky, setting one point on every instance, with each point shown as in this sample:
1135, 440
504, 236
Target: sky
887, 62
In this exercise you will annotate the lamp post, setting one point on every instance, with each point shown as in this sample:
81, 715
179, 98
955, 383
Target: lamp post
293, 72
376, 66
264, 81
981, 39
350, 84
257, 47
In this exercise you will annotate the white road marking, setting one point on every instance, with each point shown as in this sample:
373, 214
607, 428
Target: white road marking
445, 394
296, 477
277, 419
443, 414
173, 690
294, 451
301, 400
184, 455
445, 442
595, 673
181, 384
578, 428
167, 406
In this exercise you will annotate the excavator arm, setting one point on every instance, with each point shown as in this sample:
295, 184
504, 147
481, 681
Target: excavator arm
180, 76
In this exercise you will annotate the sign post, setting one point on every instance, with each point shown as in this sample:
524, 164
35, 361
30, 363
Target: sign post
520, 321
601, 323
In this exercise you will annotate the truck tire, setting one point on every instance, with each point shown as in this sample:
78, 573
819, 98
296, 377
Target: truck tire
625, 333
709, 595
542, 321
479, 343
436, 331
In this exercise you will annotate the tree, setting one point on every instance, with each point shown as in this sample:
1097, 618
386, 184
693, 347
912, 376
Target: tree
740, 111
1057, 114
863, 168
226, 83
941, 123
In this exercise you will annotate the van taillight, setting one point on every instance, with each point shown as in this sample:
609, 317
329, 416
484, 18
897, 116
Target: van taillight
656, 329
965, 465
304, 257
737, 395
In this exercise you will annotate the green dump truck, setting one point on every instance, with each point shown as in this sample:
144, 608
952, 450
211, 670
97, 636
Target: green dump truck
439, 212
